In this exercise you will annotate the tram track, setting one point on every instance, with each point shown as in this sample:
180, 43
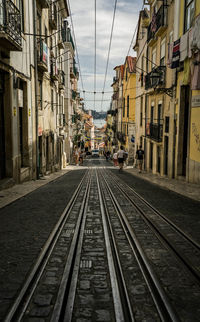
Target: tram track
96, 264
163, 309
20, 306
183, 245
174, 255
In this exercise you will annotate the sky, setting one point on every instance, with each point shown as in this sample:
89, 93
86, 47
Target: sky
83, 18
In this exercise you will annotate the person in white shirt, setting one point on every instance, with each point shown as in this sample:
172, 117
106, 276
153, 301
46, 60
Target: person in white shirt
115, 159
120, 156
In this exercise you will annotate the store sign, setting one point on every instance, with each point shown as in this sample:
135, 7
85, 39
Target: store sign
196, 101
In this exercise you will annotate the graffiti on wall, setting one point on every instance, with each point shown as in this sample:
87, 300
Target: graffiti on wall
195, 134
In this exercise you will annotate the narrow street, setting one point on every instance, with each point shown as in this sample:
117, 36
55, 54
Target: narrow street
96, 244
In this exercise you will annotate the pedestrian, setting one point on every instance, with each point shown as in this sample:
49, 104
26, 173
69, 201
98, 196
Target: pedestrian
115, 159
120, 156
81, 158
140, 158
76, 155
107, 155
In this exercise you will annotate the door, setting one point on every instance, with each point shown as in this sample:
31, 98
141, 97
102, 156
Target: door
166, 155
185, 130
151, 156
158, 159
2, 130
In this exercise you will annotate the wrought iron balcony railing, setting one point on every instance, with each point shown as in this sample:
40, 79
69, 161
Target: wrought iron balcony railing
158, 20
154, 131
156, 77
69, 38
10, 26
44, 3
53, 16
54, 69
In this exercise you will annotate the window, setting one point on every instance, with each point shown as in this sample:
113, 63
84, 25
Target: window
152, 114
142, 67
128, 106
162, 52
52, 99
126, 74
124, 107
127, 129
141, 140
159, 113
153, 58
167, 124
189, 13
40, 94
141, 111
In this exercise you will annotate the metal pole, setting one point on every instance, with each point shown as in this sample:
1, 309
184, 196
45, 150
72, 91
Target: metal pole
36, 87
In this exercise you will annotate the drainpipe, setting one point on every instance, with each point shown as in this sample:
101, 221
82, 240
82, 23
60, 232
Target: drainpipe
36, 88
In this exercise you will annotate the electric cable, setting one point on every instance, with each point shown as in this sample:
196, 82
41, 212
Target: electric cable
113, 20
95, 47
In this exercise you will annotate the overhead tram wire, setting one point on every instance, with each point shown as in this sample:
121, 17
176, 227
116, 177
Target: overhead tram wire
115, 6
95, 48
68, 3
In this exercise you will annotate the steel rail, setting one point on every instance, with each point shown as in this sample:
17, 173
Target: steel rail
189, 238
193, 270
161, 300
119, 310
37, 270
69, 278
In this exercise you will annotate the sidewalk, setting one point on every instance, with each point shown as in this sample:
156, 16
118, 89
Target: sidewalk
190, 190
19, 190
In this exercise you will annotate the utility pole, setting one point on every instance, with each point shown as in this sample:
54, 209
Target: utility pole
36, 87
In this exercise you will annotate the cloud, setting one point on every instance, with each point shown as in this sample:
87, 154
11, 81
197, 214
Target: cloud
126, 19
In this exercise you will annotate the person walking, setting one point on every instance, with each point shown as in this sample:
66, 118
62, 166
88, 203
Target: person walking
115, 161
76, 155
81, 158
120, 156
140, 158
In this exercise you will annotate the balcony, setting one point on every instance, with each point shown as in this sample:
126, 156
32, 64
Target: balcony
154, 131
44, 3
43, 56
10, 26
74, 94
73, 71
67, 37
157, 25
155, 78
53, 16
61, 79
54, 69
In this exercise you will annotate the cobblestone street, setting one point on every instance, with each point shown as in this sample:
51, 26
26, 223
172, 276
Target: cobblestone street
33, 210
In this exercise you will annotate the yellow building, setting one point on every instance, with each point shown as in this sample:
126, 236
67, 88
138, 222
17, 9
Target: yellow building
128, 109
187, 156
158, 81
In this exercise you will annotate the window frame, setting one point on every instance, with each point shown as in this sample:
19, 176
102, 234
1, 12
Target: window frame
128, 105
186, 6
162, 58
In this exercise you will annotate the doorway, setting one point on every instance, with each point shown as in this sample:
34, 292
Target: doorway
183, 130
166, 147
2, 130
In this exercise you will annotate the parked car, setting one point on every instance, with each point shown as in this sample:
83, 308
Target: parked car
95, 153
